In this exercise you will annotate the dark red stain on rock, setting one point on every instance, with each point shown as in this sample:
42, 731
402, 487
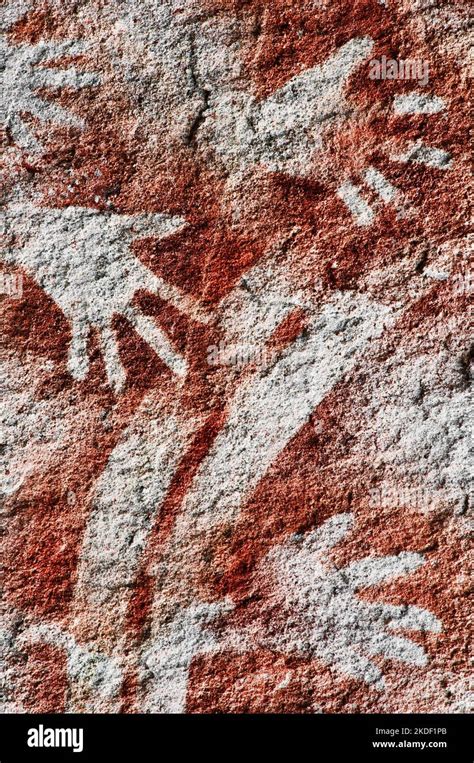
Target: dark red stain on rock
46, 672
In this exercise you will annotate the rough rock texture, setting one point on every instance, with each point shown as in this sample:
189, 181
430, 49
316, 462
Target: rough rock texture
235, 438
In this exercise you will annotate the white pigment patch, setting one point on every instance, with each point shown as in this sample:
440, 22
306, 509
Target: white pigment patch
418, 103
379, 183
360, 210
419, 153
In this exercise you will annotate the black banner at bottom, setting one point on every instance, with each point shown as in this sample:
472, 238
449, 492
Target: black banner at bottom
155, 737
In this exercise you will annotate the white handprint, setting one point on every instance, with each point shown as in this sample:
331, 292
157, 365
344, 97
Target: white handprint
24, 73
82, 259
326, 619
283, 131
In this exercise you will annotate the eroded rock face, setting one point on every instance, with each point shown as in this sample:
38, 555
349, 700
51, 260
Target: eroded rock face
236, 456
